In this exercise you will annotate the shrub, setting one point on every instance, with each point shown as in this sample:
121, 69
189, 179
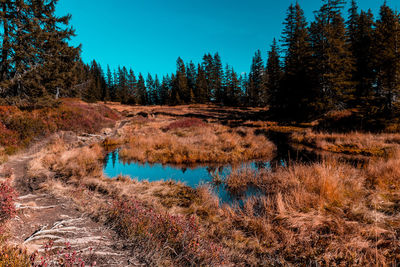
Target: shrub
19, 128
62, 257
7, 198
179, 237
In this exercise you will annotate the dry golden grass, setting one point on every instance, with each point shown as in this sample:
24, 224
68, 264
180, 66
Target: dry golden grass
203, 110
157, 141
366, 144
328, 213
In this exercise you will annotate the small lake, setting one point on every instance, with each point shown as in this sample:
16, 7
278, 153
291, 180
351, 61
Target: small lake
192, 176
198, 175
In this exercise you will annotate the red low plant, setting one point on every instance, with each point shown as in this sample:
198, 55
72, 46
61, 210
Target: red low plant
7, 199
185, 123
180, 236
63, 257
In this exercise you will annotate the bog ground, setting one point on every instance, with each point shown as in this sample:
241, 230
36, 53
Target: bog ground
325, 199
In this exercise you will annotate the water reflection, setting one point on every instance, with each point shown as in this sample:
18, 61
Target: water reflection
192, 176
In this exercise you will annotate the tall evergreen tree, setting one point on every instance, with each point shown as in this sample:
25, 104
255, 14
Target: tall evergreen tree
231, 87
201, 86
208, 67
35, 57
151, 90
191, 77
332, 59
363, 53
217, 77
157, 89
141, 94
180, 92
257, 80
387, 58
295, 97
132, 87
165, 90
123, 87
274, 73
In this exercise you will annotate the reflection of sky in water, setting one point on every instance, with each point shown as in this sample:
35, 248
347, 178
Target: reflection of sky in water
193, 176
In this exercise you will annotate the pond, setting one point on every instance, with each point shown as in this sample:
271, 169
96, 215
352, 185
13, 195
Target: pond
198, 175
192, 176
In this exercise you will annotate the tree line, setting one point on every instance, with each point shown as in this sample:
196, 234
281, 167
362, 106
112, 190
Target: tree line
331, 63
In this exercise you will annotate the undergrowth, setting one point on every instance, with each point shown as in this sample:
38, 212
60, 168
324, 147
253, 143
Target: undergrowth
177, 237
19, 128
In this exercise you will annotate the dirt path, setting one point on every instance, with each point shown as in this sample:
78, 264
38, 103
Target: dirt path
43, 216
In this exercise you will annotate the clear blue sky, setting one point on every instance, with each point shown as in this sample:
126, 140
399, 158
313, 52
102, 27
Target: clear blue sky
149, 35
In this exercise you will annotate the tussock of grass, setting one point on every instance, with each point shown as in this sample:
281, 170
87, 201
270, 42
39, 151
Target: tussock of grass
365, 144
193, 143
324, 212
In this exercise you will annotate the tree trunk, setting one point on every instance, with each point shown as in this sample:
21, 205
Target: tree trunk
5, 45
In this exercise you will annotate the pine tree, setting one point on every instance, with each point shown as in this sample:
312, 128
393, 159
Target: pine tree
231, 87
257, 80
201, 86
180, 91
217, 76
332, 59
274, 73
123, 87
165, 90
387, 58
352, 25
227, 89
141, 94
157, 90
294, 98
363, 53
132, 88
191, 77
36, 59
96, 83
111, 84
208, 67
151, 90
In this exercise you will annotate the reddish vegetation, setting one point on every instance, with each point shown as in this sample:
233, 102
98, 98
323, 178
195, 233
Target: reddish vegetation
62, 257
185, 123
18, 128
9, 256
178, 236
7, 198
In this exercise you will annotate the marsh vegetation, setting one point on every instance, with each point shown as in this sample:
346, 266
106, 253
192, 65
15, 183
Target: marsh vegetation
327, 211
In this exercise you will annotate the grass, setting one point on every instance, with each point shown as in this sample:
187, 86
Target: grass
13, 257
190, 141
365, 144
327, 213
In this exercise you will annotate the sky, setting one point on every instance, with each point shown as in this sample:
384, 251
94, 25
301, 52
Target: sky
149, 35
